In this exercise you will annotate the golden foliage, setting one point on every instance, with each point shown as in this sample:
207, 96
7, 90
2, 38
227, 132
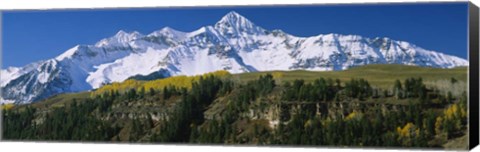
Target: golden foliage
277, 75
455, 112
181, 81
409, 130
454, 115
451, 112
408, 133
353, 115
326, 121
177, 81
308, 123
7, 106
118, 86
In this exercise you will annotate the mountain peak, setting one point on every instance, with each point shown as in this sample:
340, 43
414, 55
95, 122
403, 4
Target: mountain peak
68, 54
233, 18
124, 34
121, 32
120, 38
167, 28
170, 33
232, 14
233, 24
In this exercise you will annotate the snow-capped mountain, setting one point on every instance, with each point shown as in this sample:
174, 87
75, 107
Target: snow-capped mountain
234, 44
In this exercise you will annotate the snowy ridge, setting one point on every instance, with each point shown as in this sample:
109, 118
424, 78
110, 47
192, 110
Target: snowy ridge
120, 39
234, 44
14, 72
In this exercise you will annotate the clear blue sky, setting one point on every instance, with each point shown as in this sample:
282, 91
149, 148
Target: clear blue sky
30, 36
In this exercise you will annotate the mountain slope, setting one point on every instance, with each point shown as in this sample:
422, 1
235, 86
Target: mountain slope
234, 44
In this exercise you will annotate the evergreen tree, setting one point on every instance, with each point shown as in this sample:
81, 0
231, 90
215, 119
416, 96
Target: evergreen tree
397, 89
152, 91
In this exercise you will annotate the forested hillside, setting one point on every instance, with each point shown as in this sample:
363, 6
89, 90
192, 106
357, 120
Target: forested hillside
269, 108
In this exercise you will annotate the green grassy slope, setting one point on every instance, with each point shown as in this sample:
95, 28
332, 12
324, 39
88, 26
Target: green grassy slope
378, 75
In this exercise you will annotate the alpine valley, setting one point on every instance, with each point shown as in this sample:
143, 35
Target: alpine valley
234, 44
